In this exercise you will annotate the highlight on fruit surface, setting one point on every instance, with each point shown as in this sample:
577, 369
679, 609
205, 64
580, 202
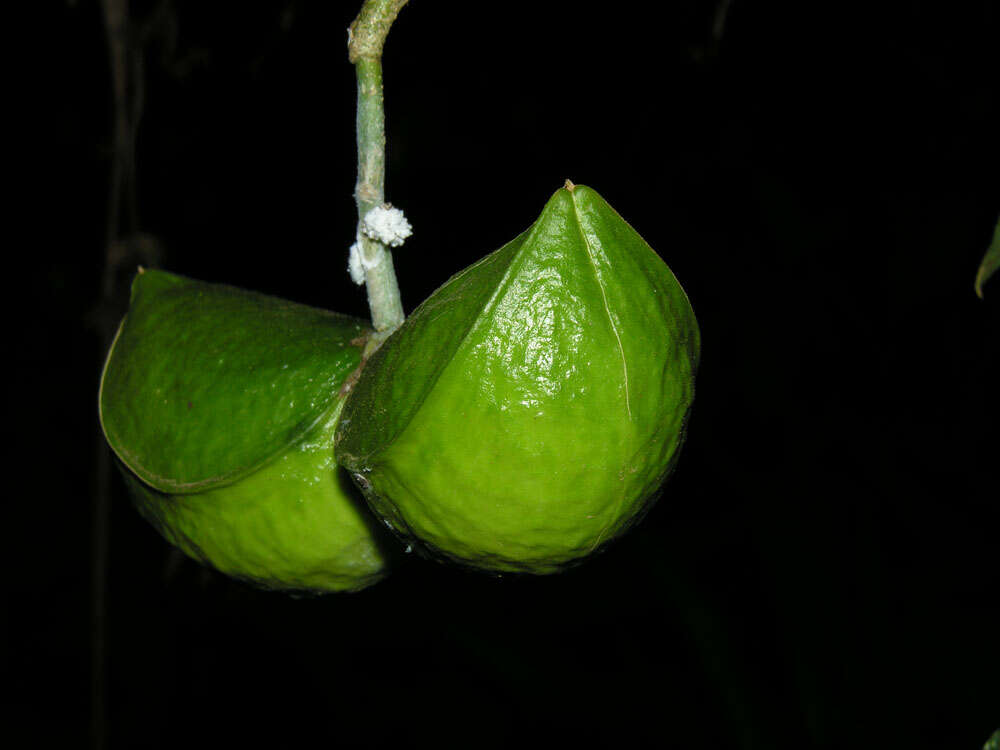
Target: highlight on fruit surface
220, 405
530, 410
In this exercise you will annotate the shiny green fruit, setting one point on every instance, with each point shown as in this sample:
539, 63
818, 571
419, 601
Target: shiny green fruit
530, 410
221, 406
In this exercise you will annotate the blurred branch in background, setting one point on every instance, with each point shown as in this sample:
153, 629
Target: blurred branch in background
707, 49
125, 246
719, 20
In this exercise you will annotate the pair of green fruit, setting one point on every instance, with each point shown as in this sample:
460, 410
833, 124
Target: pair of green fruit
525, 415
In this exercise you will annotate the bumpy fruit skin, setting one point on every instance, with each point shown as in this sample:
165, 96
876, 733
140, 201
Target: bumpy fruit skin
221, 405
530, 410
295, 524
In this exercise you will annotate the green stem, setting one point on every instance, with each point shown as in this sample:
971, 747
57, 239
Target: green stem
367, 37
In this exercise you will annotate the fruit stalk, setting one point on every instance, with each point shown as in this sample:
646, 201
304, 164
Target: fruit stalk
366, 39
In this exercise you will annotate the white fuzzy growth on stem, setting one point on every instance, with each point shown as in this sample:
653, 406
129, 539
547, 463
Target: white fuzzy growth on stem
355, 265
386, 224
358, 262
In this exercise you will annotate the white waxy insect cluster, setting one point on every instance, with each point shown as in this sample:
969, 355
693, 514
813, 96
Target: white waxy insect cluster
384, 223
355, 264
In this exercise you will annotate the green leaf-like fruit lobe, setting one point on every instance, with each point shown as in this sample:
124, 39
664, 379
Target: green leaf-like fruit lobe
220, 405
530, 410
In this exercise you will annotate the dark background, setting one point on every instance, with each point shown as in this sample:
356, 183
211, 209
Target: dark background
822, 570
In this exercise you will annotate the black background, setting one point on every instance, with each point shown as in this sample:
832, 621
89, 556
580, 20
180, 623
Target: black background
822, 570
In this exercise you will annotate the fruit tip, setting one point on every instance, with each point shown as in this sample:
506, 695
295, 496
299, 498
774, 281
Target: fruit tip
569, 185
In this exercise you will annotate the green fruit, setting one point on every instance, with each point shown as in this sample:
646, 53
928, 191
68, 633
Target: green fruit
221, 406
529, 411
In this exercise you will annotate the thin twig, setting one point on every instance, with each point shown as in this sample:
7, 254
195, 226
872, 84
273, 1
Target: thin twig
120, 190
366, 40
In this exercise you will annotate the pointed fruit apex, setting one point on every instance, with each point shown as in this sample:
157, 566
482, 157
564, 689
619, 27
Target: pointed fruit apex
529, 411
